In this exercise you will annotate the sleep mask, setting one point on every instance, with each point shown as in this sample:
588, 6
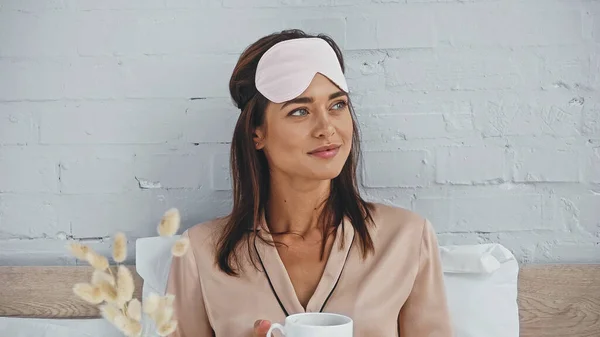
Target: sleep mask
286, 69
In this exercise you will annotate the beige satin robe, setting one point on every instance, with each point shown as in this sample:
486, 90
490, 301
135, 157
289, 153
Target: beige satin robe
397, 291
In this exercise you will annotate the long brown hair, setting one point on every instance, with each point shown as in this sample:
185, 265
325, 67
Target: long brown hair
250, 171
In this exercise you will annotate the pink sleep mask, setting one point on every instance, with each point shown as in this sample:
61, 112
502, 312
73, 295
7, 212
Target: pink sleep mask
286, 69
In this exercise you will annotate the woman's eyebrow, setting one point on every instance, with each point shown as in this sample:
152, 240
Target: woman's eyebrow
337, 94
299, 100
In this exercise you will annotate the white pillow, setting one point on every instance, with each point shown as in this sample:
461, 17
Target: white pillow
42, 327
481, 285
153, 262
480, 280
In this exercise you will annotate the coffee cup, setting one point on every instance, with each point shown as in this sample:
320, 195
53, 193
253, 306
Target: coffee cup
314, 324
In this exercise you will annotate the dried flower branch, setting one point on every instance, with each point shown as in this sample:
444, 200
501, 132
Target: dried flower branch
120, 248
170, 222
180, 247
96, 260
168, 300
88, 293
163, 315
125, 285
101, 276
128, 326
109, 293
110, 312
134, 309
167, 328
79, 251
151, 303
114, 293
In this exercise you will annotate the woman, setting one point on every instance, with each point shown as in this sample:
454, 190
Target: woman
300, 238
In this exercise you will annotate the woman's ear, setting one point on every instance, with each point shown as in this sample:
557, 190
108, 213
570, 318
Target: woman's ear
258, 138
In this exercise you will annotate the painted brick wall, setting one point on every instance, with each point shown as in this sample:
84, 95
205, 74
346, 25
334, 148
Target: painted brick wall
483, 116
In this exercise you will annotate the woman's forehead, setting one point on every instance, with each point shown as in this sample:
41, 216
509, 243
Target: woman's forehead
320, 88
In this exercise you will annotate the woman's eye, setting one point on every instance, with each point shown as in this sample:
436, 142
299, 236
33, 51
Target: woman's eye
340, 105
299, 112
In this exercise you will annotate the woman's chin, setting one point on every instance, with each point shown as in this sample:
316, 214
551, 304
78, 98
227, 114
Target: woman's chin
325, 174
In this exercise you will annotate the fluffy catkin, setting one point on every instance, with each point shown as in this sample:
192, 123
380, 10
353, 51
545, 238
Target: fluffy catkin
88, 293
119, 247
170, 222
167, 328
181, 246
128, 326
109, 293
134, 309
78, 250
110, 312
97, 261
101, 276
151, 303
125, 285
162, 316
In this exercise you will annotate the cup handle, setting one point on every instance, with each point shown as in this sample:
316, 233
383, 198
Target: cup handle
275, 326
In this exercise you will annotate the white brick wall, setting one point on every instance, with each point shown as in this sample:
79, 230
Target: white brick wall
483, 116
471, 165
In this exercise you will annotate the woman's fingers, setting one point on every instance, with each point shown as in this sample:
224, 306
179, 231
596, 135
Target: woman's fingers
261, 327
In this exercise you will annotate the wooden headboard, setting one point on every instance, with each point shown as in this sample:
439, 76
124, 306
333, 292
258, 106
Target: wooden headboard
560, 300
46, 292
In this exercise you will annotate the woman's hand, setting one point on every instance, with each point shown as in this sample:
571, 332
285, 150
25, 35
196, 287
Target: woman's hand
261, 327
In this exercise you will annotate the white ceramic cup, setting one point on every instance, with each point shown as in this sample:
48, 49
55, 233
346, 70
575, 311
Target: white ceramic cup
314, 324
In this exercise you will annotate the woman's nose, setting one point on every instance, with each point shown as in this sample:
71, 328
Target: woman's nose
324, 126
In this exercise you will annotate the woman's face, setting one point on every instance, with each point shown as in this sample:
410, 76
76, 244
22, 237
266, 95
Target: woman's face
310, 136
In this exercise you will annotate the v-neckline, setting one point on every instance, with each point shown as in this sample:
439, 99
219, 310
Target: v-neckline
281, 282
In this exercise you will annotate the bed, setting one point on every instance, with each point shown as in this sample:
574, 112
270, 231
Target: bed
555, 300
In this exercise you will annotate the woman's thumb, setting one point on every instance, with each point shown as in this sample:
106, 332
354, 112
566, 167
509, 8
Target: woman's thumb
261, 327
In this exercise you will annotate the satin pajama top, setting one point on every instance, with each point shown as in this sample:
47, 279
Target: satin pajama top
396, 291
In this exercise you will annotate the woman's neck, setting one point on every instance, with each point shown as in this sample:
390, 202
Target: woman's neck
295, 206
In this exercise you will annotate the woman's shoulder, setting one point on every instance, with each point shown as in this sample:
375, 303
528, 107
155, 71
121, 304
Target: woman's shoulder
204, 235
393, 220
206, 230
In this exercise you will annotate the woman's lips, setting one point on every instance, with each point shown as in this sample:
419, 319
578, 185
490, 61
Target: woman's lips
326, 154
